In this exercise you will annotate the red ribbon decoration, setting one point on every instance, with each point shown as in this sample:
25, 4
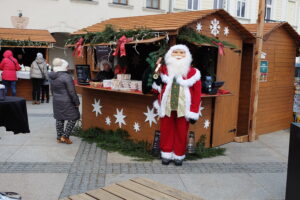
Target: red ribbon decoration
221, 47
121, 46
78, 48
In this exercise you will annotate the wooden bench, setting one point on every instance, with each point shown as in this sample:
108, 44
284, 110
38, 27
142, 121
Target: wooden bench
135, 189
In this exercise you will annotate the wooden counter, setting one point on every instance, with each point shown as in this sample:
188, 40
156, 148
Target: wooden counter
134, 106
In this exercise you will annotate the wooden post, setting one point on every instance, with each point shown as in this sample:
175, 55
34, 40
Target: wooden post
256, 69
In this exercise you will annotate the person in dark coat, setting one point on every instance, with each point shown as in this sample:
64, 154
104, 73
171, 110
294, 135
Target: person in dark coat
105, 73
65, 100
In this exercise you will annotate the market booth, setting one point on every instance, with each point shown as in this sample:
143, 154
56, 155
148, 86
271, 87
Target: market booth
215, 39
25, 44
276, 87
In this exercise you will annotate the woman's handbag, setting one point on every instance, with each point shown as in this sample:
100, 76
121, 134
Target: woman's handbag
10, 196
43, 74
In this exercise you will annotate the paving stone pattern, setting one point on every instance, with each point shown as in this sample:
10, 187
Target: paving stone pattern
90, 165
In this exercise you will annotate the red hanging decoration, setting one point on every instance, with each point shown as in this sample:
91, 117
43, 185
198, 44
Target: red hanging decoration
221, 47
78, 48
121, 46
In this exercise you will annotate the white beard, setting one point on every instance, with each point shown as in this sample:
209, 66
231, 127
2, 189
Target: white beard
178, 67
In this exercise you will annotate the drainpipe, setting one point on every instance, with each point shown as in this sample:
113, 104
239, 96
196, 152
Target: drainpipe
170, 6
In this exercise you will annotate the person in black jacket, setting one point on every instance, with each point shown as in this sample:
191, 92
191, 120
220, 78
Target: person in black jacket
105, 73
65, 100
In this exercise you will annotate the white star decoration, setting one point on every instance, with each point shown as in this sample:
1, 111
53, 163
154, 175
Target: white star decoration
226, 31
150, 116
214, 27
206, 124
97, 107
120, 117
107, 121
199, 27
136, 127
201, 108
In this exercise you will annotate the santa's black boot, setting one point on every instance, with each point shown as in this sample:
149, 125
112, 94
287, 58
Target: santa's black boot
165, 161
178, 162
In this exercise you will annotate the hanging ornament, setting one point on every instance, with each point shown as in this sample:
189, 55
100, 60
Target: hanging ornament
214, 27
199, 27
107, 121
136, 127
206, 124
120, 118
121, 46
150, 116
226, 31
97, 107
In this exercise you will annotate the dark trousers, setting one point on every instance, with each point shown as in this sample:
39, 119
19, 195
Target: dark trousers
45, 92
12, 85
36, 88
62, 131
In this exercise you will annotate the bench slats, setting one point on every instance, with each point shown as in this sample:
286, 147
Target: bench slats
165, 189
124, 193
103, 195
81, 197
146, 191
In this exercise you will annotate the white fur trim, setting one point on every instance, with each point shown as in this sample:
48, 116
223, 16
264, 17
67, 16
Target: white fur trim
166, 79
175, 157
156, 87
167, 155
192, 115
191, 81
157, 107
188, 101
164, 99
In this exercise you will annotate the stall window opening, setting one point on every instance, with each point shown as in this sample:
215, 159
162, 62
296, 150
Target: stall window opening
241, 8
154, 4
123, 2
193, 5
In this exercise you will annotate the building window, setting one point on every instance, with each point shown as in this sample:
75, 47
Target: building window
152, 4
241, 8
218, 4
193, 5
269, 4
124, 2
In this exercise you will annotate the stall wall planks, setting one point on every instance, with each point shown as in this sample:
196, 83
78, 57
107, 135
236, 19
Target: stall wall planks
226, 107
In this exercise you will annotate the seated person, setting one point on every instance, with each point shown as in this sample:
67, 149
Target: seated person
105, 73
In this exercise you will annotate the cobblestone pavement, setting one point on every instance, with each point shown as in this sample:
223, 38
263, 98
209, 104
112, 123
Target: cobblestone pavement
88, 170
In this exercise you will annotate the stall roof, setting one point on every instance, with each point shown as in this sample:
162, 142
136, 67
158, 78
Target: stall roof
34, 35
271, 27
166, 22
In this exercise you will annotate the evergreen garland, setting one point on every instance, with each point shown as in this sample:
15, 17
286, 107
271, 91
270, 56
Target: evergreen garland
110, 35
22, 43
119, 141
191, 36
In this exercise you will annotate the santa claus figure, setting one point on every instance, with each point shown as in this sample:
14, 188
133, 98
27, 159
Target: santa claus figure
178, 104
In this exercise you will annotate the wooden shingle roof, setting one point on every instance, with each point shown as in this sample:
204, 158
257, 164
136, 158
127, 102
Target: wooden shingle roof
26, 34
269, 28
166, 22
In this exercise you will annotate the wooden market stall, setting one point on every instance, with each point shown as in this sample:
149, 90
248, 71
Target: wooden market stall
25, 43
132, 110
276, 87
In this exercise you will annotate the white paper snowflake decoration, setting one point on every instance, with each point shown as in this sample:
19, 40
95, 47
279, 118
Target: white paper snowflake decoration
215, 27
199, 27
120, 117
107, 121
136, 127
226, 31
150, 116
206, 124
200, 112
97, 107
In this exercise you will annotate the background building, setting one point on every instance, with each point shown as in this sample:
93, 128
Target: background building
62, 17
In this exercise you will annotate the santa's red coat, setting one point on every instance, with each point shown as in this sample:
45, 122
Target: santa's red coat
192, 90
